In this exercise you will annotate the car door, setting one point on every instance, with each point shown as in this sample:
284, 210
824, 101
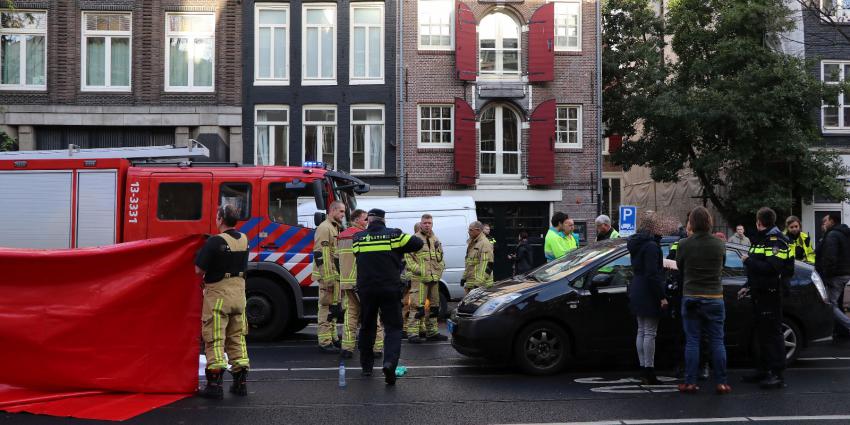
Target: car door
608, 306
739, 313
180, 204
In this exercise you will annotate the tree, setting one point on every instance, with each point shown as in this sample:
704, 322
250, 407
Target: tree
738, 113
7, 143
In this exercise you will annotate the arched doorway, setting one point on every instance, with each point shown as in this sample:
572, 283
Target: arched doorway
499, 142
499, 46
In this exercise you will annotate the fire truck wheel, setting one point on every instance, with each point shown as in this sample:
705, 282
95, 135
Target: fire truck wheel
269, 308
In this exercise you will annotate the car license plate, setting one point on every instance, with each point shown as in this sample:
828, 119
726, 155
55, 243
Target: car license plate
452, 326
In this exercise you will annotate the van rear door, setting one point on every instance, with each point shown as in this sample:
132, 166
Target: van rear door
180, 204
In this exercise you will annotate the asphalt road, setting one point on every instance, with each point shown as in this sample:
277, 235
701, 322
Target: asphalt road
292, 383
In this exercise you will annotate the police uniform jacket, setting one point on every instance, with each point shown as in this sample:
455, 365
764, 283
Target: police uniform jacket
770, 264
426, 265
378, 251
801, 247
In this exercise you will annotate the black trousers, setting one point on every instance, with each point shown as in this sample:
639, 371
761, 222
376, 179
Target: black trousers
767, 314
387, 301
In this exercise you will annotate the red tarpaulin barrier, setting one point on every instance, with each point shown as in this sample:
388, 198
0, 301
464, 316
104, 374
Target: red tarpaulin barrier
79, 326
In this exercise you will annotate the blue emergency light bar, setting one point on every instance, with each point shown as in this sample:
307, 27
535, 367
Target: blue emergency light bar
315, 164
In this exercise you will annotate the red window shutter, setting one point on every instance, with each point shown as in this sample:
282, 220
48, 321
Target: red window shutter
615, 142
541, 150
465, 143
466, 43
541, 44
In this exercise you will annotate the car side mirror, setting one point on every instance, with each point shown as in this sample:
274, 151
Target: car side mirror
600, 280
319, 217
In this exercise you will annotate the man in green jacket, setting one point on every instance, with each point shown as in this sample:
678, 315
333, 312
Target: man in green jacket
560, 238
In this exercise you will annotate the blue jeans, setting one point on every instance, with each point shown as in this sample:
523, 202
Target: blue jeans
704, 316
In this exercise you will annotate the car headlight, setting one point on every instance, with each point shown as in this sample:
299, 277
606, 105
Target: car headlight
818, 282
495, 304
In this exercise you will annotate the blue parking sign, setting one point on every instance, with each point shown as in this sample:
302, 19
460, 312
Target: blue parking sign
628, 220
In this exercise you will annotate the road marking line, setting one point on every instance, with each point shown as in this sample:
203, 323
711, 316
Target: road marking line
313, 369
812, 359
705, 420
684, 421
801, 418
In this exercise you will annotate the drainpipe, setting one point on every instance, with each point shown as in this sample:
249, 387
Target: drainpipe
400, 86
598, 108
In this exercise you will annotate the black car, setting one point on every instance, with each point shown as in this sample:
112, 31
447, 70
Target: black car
577, 308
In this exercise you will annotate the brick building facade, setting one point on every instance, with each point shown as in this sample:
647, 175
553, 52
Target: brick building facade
101, 73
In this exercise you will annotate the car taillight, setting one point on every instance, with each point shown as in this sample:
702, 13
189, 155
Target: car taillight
820, 287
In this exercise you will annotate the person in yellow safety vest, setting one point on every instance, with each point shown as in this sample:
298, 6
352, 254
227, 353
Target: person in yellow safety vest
490, 239
479, 259
223, 261
604, 229
801, 244
426, 269
560, 238
326, 273
405, 297
347, 284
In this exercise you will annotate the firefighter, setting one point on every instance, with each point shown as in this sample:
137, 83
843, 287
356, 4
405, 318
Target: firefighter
222, 262
490, 239
479, 259
800, 243
326, 272
379, 252
770, 266
347, 283
426, 269
405, 298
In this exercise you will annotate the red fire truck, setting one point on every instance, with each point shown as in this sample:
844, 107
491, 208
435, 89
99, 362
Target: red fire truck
93, 197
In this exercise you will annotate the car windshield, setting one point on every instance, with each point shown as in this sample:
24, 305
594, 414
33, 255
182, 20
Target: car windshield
573, 261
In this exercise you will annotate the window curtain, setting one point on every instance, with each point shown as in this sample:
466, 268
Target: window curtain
11, 63
95, 61
376, 146
265, 52
120, 62
328, 145
178, 66
327, 52
262, 145
203, 63
280, 53
35, 60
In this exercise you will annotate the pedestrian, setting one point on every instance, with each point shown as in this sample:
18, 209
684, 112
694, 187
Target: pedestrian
647, 300
223, 261
604, 230
799, 243
490, 239
770, 266
378, 251
426, 269
479, 259
739, 237
833, 264
559, 239
347, 283
700, 259
523, 258
326, 273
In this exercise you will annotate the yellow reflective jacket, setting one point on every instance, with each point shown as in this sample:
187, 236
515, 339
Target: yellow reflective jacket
325, 257
479, 263
802, 248
426, 265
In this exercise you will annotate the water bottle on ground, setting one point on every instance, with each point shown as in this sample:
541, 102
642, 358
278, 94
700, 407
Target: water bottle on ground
342, 374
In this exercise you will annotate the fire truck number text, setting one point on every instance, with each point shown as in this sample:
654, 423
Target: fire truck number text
133, 212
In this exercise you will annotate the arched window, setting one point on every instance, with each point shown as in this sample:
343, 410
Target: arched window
499, 46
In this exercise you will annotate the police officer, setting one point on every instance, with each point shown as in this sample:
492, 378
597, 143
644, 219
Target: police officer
223, 261
379, 252
770, 266
479, 259
326, 272
426, 269
800, 243
348, 282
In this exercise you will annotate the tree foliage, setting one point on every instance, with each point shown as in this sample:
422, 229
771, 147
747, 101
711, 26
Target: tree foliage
739, 113
7, 143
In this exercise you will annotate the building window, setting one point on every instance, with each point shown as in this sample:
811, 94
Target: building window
367, 139
499, 44
23, 50
436, 125
271, 44
838, 10
239, 196
367, 43
180, 201
611, 189
569, 126
320, 134
271, 136
436, 18
106, 51
835, 118
190, 52
568, 26
500, 147
319, 44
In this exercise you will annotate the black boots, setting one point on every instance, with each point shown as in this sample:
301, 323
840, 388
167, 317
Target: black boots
772, 381
239, 387
649, 377
213, 390
389, 373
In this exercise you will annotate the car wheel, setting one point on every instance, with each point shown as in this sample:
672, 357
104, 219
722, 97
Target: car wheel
268, 309
793, 340
542, 348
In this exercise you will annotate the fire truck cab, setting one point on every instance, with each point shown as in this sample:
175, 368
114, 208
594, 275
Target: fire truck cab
90, 201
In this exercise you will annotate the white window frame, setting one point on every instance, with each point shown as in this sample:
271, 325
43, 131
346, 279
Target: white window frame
85, 34
305, 123
578, 23
501, 73
258, 81
842, 100
366, 146
192, 37
23, 61
579, 127
272, 142
305, 80
419, 44
432, 145
500, 145
366, 80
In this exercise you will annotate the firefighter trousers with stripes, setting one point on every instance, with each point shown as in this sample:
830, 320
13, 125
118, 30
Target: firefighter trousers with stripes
424, 308
351, 304
223, 324
326, 326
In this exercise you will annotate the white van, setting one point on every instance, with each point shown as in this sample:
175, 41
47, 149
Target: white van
452, 215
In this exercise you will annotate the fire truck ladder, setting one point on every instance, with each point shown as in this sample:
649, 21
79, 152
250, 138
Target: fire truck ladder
193, 150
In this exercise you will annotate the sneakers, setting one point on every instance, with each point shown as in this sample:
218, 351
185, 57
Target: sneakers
437, 337
239, 386
345, 354
213, 390
329, 349
389, 374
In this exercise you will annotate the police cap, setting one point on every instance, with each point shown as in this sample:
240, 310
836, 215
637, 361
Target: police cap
375, 212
